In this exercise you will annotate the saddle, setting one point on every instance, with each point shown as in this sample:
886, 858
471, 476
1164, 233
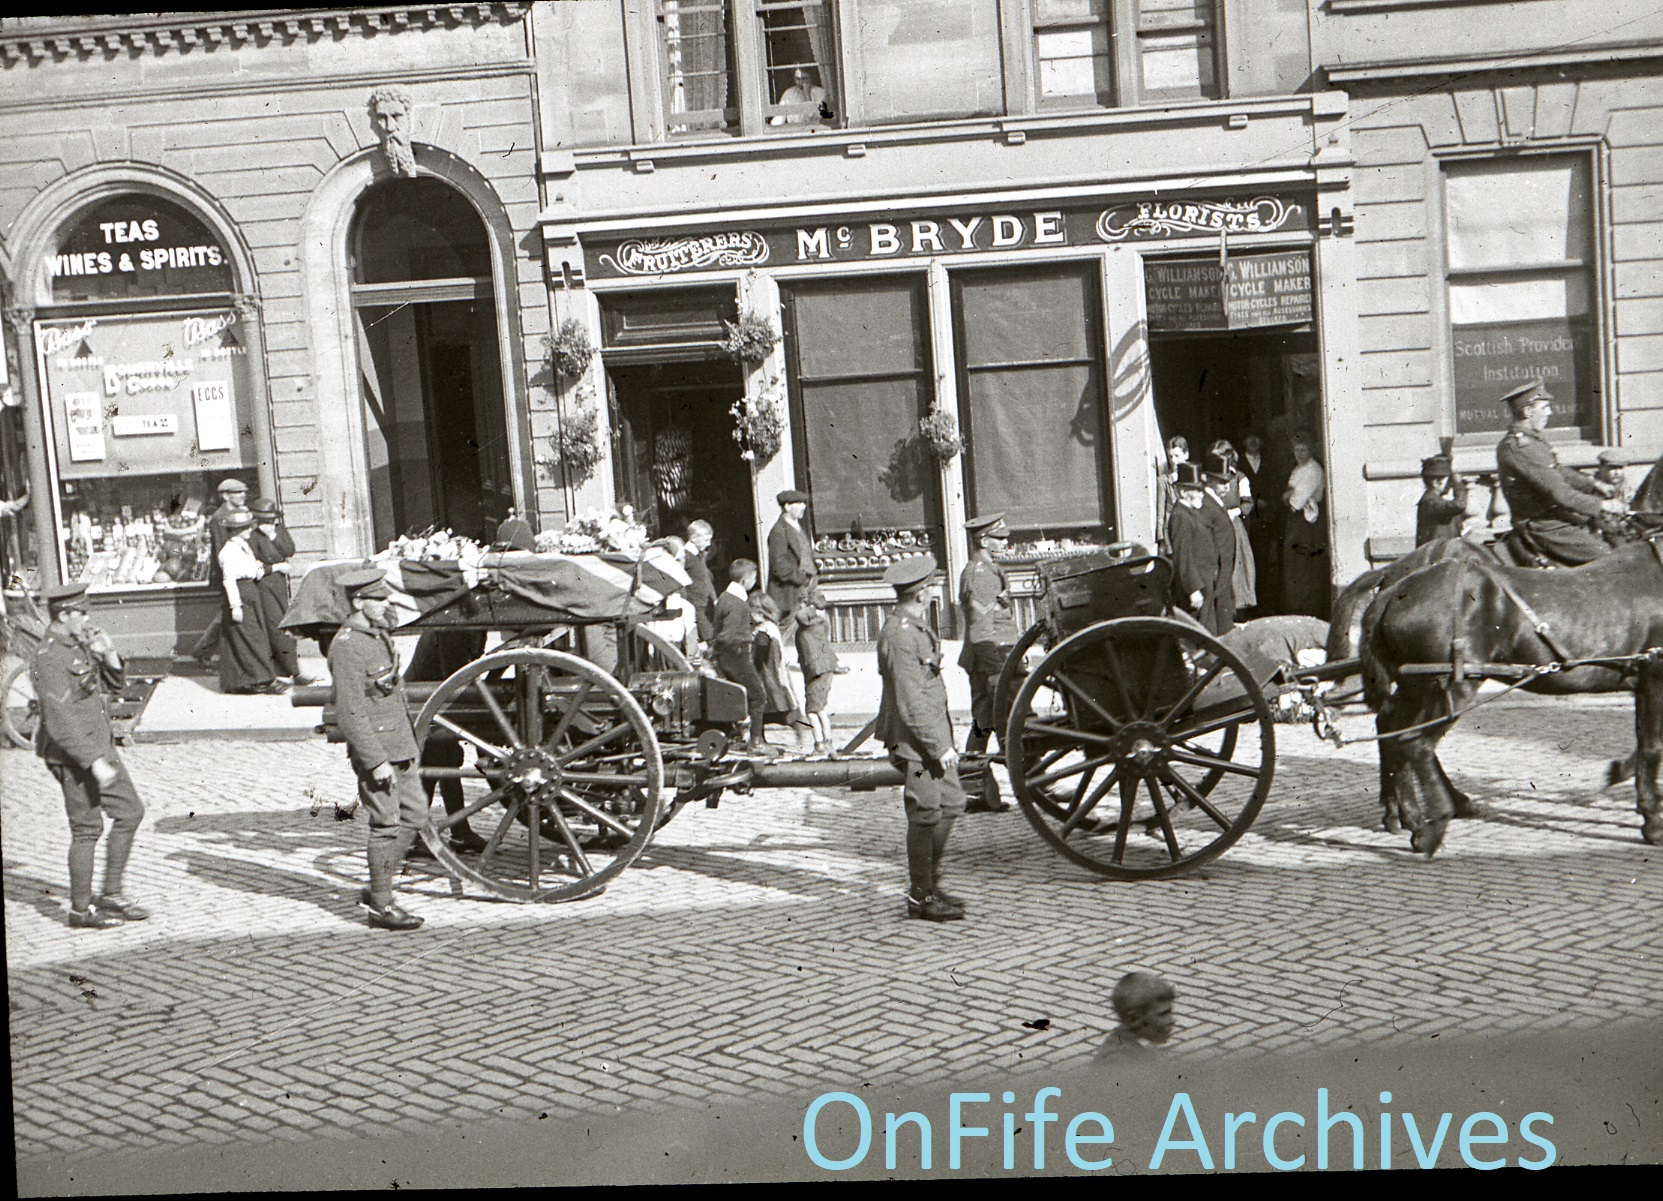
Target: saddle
1516, 548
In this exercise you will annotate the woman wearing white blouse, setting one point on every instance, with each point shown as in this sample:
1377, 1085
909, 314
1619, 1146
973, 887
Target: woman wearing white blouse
1305, 540
245, 663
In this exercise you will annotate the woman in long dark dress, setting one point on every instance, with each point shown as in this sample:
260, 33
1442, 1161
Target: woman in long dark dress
245, 663
272, 545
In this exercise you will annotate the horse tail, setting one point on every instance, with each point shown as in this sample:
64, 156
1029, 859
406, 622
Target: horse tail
1345, 628
1377, 675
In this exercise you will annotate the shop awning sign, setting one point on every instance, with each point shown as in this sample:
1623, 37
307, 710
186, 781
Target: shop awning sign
938, 234
1249, 291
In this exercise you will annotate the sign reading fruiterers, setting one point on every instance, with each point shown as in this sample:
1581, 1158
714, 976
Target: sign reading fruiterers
940, 234
1249, 291
1492, 360
143, 394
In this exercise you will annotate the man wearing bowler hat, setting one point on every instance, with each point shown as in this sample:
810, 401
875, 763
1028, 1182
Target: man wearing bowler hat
1443, 506
914, 724
72, 670
791, 569
374, 718
1553, 506
989, 624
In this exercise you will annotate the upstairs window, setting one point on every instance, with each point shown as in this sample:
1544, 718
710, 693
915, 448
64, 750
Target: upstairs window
740, 66
698, 65
1079, 61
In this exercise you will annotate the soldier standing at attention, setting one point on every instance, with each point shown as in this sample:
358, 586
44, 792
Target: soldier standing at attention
73, 668
989, 624
914, 724
1553, 505
374, 718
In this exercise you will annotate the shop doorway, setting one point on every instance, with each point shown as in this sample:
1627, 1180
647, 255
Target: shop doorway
435, 425
675, 457
1211, 386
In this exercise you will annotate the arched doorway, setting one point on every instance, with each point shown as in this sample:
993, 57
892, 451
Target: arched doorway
435, 429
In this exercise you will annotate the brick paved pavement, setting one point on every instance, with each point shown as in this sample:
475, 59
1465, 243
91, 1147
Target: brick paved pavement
760, 950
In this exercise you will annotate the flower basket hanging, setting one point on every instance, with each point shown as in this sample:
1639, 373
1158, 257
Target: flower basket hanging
941, 433
748, 340
759, 426
577, 445
570, 350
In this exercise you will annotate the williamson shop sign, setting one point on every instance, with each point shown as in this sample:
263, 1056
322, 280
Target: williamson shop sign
942, 234
1246, 291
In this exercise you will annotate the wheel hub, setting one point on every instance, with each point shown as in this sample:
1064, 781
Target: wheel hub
533, 770
1140, 743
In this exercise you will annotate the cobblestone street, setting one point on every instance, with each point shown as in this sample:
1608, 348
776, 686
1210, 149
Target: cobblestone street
761, 950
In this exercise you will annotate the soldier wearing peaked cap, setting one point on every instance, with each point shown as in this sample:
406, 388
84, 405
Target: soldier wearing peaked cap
374, 718
72, 671
1443, 506
1554, 506
989, 623
914, 724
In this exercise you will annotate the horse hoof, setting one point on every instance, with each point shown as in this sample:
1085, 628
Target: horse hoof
1652, 832
1390, 823
1429, 838
1616, 772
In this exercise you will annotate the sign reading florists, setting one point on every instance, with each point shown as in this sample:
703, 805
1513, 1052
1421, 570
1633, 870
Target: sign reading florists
939, 234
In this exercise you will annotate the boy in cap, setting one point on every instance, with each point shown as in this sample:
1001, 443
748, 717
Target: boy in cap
1610, 473
72, 670
791, 569
374, 718
1442, 508
1553, 505
733, 645
914, 724
1143, 1003
989, 624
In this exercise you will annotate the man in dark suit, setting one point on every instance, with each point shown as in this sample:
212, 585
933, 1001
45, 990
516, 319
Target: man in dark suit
1200, 561
73, 668
791, 570
374, 718
733, 643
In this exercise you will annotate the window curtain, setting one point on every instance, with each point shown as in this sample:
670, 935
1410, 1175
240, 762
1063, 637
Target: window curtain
1032, 373
818, 19
703, 50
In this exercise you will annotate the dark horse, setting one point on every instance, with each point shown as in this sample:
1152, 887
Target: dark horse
1472, 612
1345, 628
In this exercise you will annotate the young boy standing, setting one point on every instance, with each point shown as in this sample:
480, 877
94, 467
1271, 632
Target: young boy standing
819, 664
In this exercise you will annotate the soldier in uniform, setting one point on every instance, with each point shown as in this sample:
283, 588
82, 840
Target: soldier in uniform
374, 718
791, 570
914, 724
72, 669
989, 624
1554, 506
1443, 506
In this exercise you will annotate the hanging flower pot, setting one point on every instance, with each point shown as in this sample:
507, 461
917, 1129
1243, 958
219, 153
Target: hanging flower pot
570, 350
941, 433
750, 340
759, 426
577, 445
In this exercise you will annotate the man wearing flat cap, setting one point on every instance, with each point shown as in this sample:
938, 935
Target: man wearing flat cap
233, 499
374, 718
914, 724
1442, 508
989, 624
1553, 506
791, 570
73, 669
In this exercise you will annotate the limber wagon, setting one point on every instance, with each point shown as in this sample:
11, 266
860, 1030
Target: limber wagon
586, 730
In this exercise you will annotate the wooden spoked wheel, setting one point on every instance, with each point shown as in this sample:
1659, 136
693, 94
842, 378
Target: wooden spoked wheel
1023, 657
1140, 748
19, 709
559, 768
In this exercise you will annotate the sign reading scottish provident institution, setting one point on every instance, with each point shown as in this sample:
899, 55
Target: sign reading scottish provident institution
939, 234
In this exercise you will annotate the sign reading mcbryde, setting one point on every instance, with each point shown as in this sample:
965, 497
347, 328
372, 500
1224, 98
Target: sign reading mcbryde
942, 234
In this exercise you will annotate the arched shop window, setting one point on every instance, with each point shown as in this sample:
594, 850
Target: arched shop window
147, 390
435, 428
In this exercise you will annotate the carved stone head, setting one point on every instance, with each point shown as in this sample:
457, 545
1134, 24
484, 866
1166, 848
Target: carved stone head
391, 114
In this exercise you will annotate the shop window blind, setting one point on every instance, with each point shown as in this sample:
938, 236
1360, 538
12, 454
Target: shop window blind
1031, 375
862, 381
1519, 240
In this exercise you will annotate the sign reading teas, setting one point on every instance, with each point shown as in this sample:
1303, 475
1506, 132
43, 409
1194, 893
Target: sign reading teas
943, 234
